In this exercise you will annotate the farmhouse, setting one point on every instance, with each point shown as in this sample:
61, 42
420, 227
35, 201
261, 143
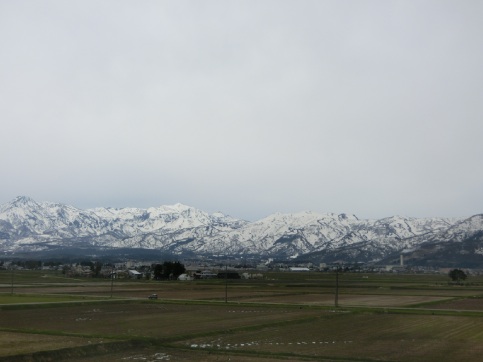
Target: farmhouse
185, 276
298, 269
135, 274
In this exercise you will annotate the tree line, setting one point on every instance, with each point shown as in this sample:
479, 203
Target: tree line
168, 270
160, 271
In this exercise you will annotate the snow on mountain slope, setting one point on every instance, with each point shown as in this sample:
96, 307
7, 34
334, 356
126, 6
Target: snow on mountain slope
28, 217
397, 232
463, 229
458, 231
26, 224
459, 245
306, 231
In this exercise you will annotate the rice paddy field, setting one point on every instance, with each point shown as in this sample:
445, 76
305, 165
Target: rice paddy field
282, 317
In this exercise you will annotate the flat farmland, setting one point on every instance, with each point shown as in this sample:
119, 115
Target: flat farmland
6, 299
150, 319
365, 336
461, 304
285, 316
152, 354
12, 343
275, 287
246, 332
349, 300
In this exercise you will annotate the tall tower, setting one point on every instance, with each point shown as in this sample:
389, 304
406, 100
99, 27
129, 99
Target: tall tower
401, 260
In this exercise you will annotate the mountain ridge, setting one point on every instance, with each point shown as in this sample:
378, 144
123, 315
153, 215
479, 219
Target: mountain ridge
30, 226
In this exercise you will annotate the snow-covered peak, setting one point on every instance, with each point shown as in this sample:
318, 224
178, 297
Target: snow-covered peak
218, 215
349, 217
23, 202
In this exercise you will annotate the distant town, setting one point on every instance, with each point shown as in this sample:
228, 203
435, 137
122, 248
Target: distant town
207, 269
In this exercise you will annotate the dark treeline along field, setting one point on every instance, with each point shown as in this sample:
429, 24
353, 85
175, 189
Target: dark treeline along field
45, 315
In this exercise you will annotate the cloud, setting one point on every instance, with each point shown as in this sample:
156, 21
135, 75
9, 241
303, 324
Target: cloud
245, 107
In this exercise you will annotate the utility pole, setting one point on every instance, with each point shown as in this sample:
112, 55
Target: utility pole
337, 286
226, 283
11, 277
112, 279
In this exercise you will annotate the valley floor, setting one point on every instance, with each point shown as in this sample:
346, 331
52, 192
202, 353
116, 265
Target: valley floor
280, 318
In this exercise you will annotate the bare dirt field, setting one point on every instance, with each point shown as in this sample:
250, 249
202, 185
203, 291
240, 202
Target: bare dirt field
261, 294
368, 336
348, 300
12, 343
240, 332
154, 320
154, 354
461, 304
292, 318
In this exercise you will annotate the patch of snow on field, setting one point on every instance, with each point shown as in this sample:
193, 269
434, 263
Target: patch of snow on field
155, 357
258, 343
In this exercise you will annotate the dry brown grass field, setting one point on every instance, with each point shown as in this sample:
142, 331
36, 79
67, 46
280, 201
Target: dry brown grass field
284, 317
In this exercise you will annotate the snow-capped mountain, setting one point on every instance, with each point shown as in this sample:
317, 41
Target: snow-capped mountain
27, 225
460, 244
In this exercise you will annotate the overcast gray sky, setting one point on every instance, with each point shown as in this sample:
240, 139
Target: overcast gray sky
246, 107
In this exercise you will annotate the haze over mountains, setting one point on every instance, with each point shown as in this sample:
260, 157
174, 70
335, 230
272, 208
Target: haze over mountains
47, 229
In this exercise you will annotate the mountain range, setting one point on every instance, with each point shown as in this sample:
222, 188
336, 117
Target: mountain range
29, 228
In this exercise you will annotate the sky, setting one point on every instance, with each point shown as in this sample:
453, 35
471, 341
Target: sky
373, 108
